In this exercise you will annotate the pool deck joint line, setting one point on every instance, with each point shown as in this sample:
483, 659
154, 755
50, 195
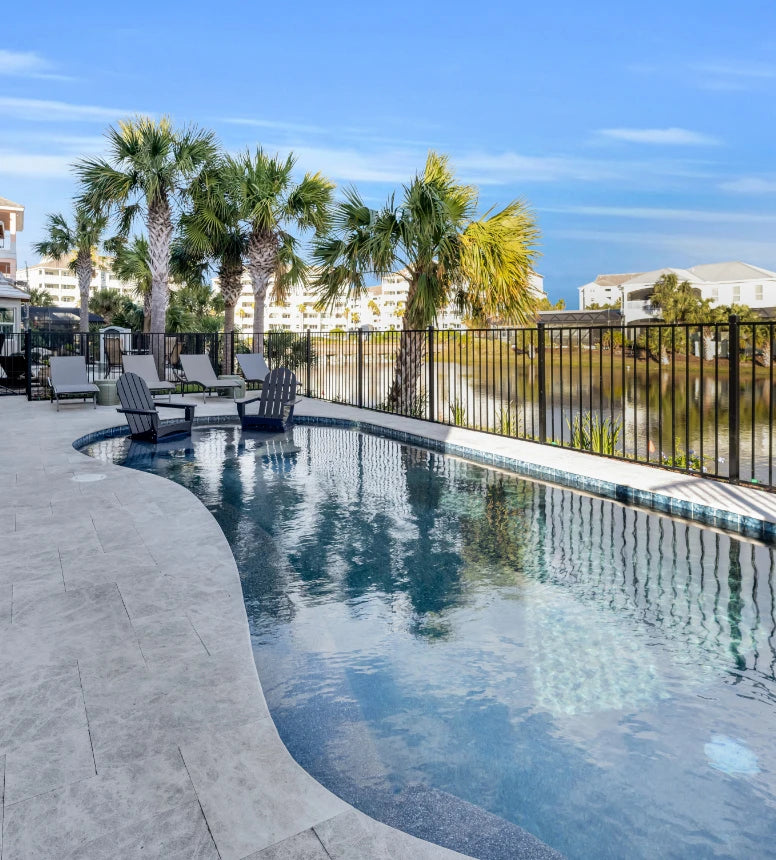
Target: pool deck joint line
132, 719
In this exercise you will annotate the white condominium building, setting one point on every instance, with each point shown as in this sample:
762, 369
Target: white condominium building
721, 283
61, 282
382, 307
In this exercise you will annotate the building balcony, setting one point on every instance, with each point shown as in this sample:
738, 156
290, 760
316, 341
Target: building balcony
640, 310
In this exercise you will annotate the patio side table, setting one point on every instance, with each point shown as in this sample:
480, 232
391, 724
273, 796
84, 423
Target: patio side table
107, 395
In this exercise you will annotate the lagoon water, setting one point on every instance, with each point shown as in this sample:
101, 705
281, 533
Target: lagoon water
435, 636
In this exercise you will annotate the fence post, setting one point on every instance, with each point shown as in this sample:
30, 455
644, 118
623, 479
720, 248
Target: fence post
541, 362
360, 369
308, 359
734, 399
431, 386
28, 355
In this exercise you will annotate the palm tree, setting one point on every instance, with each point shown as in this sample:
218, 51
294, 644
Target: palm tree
213, 232
271, 204
149, 169
81, 239
40, 297
482, 264
132, 263
106, 303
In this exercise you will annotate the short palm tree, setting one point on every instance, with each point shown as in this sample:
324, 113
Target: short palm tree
148, 171
482, 265
80, 239
271, 204
131, 263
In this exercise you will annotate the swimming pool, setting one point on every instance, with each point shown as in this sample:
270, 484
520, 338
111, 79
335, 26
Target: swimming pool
462, 653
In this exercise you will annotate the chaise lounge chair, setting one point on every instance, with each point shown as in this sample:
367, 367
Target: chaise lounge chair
199, 371
143, 416
276, 403
68, 377
253, 367
144, 366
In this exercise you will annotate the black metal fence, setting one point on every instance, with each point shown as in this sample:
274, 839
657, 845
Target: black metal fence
696, 398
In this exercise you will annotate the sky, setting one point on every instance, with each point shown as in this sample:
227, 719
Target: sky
640, 135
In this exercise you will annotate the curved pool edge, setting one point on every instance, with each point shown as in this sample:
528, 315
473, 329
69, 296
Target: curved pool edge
251, 759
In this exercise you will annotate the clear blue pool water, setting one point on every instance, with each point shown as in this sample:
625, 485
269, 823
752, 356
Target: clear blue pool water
461, 652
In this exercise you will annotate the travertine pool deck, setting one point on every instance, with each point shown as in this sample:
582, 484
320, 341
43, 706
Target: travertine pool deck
132, 721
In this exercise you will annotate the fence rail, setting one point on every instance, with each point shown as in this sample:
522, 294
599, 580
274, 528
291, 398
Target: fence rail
689, 397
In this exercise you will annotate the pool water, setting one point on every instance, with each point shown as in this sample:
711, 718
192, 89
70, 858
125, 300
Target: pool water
463, 653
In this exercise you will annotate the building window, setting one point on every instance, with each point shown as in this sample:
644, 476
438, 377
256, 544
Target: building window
736, 294
715, 293
758, 293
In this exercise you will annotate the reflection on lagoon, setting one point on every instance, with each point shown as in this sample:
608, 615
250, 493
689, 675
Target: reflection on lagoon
432, 634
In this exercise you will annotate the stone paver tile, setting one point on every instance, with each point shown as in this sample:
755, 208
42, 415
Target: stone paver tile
180, 834
168, 637
146, 710
304, 846
152, 592
58, 822
80, 568
24, 592
6, 597
354, 836
63, 757
33, 712
220, 626
257, 797
29, 565
90, 605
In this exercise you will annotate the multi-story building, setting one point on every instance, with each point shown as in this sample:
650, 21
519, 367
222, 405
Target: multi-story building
381, 307
11, 223
60, 281
721, 283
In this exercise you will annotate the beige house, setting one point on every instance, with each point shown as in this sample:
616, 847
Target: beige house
11, 223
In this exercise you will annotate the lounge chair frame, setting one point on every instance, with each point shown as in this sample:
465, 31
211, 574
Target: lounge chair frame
73, 381
200, 372
145, 367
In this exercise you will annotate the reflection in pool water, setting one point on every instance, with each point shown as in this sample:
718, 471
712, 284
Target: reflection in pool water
430, 632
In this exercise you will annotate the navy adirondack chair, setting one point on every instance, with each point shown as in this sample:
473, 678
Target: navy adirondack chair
142, 413
276, 403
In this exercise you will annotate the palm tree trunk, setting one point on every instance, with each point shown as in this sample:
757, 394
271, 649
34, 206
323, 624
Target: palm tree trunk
85, 272
261, 265
403, 394
159, 238
231, 288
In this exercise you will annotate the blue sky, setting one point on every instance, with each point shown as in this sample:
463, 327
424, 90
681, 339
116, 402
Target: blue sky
641, 135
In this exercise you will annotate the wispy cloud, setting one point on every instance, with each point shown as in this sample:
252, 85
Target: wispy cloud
648, 213
732, 75
750, 185
40, 110
660, 136
35, 165
28, 64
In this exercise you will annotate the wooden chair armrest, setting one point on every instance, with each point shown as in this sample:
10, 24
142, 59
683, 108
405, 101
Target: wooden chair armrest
138, 411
